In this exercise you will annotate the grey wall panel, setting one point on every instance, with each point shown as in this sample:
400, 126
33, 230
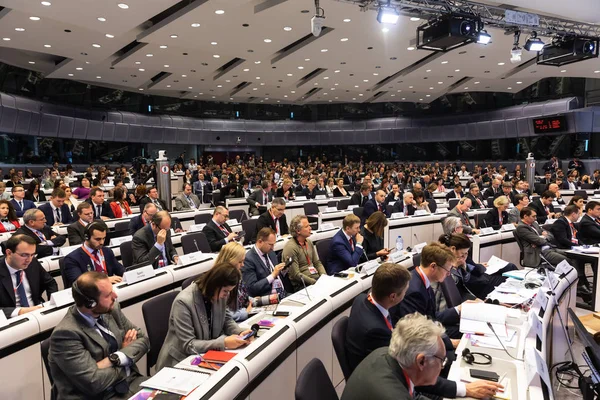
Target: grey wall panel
254, 126
177, 121
309, 127
412, 134
333, 125
372, 124
532, 110
152, 120
156, 134
350, 125
170, 135
511, 128
403, 122
387, 136
34, 125
213, 125
387, 123
183, 136
254, 138
49, 125
8, 119
484, 130
7, 100
596, 122
135, 133
524, 127
498, 130
512, 112
23, 121
82, 113
292, 126
114, 116
235, 126
94, 131
121, 132
198, 124
97, 115
471, 131
165, 120
555, 107
108, 131
336, 137
65, 127
128, 118
26, 104
583, 122
399, 136
80, 128
188, 122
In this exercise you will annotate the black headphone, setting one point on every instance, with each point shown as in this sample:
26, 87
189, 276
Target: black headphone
88, 301
87, 233
469, 357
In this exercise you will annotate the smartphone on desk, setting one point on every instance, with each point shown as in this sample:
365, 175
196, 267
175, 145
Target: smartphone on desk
485, 375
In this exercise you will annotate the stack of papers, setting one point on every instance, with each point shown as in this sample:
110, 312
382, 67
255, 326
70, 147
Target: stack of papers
495, 264
177, 381
474, 318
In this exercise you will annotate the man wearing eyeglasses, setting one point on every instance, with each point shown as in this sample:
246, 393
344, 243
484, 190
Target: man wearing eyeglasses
19, 203
140, 221
217, 231
274, 218
23, 278
34, 226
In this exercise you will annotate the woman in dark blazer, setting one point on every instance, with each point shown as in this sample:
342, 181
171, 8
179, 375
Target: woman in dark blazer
8, 217
492, 219
372, 233
34, 193
339, 191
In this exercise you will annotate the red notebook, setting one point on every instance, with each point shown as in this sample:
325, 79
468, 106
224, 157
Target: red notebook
218, 356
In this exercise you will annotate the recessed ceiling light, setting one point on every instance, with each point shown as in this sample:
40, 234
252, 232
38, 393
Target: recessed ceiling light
256, 62
108, 35
216, 56
336, 71
31, 62
393, 95
307, 59
138, 62
246, 69
267, 40
20, 29
347, 20
190, 87
439, 83
287, 28
355, 86
141, 69
457, 70
444, 62
410, 48
414, 19
195, 25
323, 50
227, 80
509, 88
258, 77
336, 84
166, 65
149, 55
519, 82
46, 3
289, 74
477, 83
98, 77
431, 88
410, 87
201, 94
168, 85
385, 30
101, 19
254, 88
360, 94
34, 18
564, 70
174, 36
163, 46
292, 91
344, 39
213, 43
47, 45
427, 95
428, 70
365, 80
6, 38
325, 77
501, 63
300, 67
71, 75
404, 98
219, 12
219, 86
184, 76
79, 69
375, 74
141, 90
123, 6
96, 45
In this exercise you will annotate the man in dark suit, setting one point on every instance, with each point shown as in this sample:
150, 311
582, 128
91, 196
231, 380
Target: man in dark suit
553, 165
589, 227
457, 193
34, 226
93, 350
407, 205
217, 231
101, 208
23, 278
395, 194
475, 196
375, 204
56, 211
138, 222
19, 203
346, 248
360, 198
259, 198
261, 272
493, 191
76, 231
152, 197
577, 164
310, 191
543, 207
154, 242
274, 218
93, 256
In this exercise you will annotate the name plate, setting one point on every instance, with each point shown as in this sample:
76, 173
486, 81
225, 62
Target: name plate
326, 226
508, 227
535, 324
196, 227
563, 268
139, 274
486, 231
331, 209
397, 215
186, 259
370, 267
542, 298
352, 207
396, 256
550, 221
421, 212
442, 210
172, 231
119, 240
301, 198
419, 247
61, 298
232, 221
64, 251
320, 197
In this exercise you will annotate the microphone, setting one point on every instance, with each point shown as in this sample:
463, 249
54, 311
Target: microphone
416, 237
485, 222
196, 244
254, 329
305, 289
489, 324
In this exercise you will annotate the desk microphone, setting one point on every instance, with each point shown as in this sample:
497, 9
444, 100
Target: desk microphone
196, 244
489, 324
304, 284
485, 222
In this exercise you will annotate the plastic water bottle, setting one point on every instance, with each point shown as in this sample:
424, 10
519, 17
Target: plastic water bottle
399, 244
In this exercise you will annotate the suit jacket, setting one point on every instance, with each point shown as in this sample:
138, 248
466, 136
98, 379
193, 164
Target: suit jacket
532, 241
189, 332
143, 246
489, 192
39, 281
542, 215
562, 233
182, 203
289, 193
341, 255
75, 347
452, 195
76, 233
78, 262
255, 273
391, 196
135, 224
589, 231
145, 200
43, 250
492, 219
371, 206
467, 227
399, 207
216, 238
27, 204
474, 203
257, 197
310, 194
265, 220
65, 214
358, 200
105, 211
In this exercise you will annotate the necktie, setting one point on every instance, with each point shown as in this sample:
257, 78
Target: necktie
352, 244
40, 236
379, 207
21, 290
225, 231
58, 219
279, 287
264, 198
365, 198
431, 308
21, 204
107, 335
157, 204
573, 233
276, 220
98, 212
192, 205
96, 260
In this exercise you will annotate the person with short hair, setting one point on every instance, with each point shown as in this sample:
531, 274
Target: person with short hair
217, 232
8, 217
457, 193
24, 276
452, 225
19, 202
306, 268
239, 302
152, 197
274, 218
82, 192
262, 274
460, 211
139, 221
101, 208
497, 216
259, 198
153, 245
514, 214
589, 226
93, 255
475, 196
76, 230
34, 226
199, 320
345, 250
543, 207
359, 198
187, 200
56, 211
377, 203
407, 206
95, 348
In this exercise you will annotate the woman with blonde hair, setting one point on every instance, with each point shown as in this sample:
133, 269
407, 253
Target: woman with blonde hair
340, 191
497, 216
239, 302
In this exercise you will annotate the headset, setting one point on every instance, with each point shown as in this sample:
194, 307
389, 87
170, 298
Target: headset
469, 357
87, 233
88, 301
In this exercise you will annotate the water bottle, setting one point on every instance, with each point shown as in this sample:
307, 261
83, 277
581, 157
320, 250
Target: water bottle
399, 244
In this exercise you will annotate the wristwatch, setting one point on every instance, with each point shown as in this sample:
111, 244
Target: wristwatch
114, 359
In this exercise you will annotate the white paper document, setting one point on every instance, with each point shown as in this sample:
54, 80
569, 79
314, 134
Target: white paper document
474, 318
177, 381
495, 264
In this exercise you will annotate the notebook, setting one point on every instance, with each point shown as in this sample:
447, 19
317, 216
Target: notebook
216, 356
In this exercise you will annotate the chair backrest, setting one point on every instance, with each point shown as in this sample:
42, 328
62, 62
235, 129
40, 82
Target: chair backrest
432, 205
216, 198
587, 185
451, 292
314, 383
490, 201
389, 209
343, 204
126, 249
520, 244
61, 266
45, 347
202, 218
452, 203
540, 187
332, 203
189, 281
358, 211
189, 242
311, 208
156, 313
416, 261
240, 215
249, 226
323, 251
122, 226
338, 338
582, 193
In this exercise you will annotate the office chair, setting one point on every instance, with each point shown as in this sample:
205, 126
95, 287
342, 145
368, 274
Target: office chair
156, 313
314, 383
338, 338
126, 249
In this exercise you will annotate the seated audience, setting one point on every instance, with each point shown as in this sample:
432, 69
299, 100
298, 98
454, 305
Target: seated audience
34, 226
372, 233
493, 191
56, 211
152, 197
261, 272
68, 200
420, 203
239, 304
358, 198
153, 245
82, 192
497, 216
395, 195
259, 198
579, 202
34, 193
407, 205
94, 349
119, 205
377, 203
520, 202
76, 231
217, 231
310, 191
460, 211
101, 208
475, 196
24, 278
543, 207
199, 319
306, 267
139, 221
274, 218
346, 247
4, 194
93, 255
8, 217
590, 224
19, 203
457, 193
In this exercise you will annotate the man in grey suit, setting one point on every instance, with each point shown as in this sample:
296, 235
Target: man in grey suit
259, 198
94, 349
153, 242
187, 200
460, 211
76, 231
536, 242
